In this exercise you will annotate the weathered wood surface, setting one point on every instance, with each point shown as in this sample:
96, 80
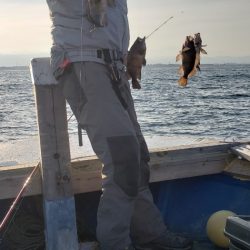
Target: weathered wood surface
54, 142
166, 164
41, 73
58, 196
242, 151
239, 168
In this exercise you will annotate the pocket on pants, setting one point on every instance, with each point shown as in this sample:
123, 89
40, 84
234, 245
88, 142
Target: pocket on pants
59, 61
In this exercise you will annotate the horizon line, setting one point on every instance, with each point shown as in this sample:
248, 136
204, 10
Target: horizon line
150, 64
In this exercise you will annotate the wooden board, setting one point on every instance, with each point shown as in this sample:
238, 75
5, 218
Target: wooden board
58, 197
166, 164
242, 151
41, 72
239, 168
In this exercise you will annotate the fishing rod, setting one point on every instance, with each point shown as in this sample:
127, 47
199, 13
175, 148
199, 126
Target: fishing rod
18, 198
165, 22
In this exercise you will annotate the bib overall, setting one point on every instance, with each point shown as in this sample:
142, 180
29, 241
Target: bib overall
97, 89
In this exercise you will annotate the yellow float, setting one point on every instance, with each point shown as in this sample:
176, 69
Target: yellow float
215, 228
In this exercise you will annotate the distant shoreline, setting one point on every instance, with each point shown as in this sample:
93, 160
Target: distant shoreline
151, 64
14, 67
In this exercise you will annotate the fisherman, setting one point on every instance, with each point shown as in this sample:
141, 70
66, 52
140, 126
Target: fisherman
90, 44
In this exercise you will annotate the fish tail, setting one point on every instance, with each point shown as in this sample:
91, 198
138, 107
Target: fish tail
136, 84
183, 81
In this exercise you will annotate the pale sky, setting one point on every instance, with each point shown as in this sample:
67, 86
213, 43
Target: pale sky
223, 24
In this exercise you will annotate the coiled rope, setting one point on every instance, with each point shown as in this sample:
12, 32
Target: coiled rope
25, 233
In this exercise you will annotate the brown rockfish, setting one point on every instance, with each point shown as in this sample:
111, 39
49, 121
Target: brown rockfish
188, 56
198, 48
135, 61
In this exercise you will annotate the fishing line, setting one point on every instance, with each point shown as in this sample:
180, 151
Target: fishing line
18, 205
80, 73
70, 117
165, 22
79, 128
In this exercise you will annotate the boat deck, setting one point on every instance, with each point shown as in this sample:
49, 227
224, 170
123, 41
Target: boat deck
197, 246
205, 246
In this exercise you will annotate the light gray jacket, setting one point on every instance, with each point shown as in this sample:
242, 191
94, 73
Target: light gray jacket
73, 34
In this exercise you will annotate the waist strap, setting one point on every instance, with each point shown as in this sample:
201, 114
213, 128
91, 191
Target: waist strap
109, 55
115, 55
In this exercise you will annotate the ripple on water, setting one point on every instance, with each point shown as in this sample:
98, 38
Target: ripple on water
216, 103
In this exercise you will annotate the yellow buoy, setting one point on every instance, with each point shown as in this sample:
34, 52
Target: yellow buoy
215, 228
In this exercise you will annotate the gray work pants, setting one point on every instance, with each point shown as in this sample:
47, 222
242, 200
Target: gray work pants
126, 208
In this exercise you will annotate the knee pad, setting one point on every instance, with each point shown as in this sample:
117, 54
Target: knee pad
125, 153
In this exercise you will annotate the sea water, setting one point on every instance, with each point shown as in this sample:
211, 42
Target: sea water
215, 103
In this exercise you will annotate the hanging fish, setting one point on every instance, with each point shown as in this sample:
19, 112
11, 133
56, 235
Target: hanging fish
135, 61
97, 12
188, 56
198, 47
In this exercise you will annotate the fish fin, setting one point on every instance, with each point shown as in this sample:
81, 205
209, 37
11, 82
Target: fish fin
193, 72
136, 84
180, 70
144, 62
178, 57
203, 51
183, 81
197, 60
185, 49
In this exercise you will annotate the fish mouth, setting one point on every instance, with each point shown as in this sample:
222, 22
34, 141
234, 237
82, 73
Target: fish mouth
141, 39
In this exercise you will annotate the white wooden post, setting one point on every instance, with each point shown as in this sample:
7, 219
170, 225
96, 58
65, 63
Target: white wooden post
59, 206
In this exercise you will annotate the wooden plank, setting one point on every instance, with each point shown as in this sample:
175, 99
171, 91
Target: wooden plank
189, 162
12, 179
54, 142
58, 197
242, 151
41, 73
166, 164
239, 168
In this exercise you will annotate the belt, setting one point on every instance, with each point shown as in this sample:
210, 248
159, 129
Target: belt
109, 55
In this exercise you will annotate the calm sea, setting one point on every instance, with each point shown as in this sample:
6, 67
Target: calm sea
216, 103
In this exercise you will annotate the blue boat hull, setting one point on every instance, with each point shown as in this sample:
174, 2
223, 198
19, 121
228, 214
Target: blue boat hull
187, 204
